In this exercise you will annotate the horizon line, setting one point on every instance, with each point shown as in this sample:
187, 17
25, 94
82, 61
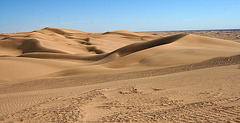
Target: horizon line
150, 31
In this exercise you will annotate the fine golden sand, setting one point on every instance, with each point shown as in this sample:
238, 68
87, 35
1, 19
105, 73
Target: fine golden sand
63, 75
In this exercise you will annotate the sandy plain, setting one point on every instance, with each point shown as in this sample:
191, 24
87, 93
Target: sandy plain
63, 75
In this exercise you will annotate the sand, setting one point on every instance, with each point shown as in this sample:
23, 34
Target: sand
63, 75
223, 34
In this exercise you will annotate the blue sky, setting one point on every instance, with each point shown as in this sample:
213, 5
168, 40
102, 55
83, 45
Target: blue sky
110, 15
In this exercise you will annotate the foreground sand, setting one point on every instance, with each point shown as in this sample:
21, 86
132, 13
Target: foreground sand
59, 75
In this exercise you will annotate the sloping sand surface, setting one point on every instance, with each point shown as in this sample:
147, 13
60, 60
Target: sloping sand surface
63, 75
212, 97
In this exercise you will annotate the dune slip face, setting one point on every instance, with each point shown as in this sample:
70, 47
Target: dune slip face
63, 75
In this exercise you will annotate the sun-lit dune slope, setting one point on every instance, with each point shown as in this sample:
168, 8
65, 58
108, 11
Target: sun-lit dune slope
165, 52
49, 46
15, 68
79, 53
171, 51
56, 40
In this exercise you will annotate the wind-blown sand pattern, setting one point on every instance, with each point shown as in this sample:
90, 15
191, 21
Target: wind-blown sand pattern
62, 75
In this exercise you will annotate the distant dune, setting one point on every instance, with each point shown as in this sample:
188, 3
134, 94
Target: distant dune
63, 75
89, 53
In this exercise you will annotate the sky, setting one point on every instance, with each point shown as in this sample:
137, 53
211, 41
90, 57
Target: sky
111, 15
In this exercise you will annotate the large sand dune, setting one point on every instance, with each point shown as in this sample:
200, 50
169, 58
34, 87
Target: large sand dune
59, 75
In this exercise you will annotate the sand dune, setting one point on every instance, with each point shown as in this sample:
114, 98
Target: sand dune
134, 55
149, 55
60, 75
